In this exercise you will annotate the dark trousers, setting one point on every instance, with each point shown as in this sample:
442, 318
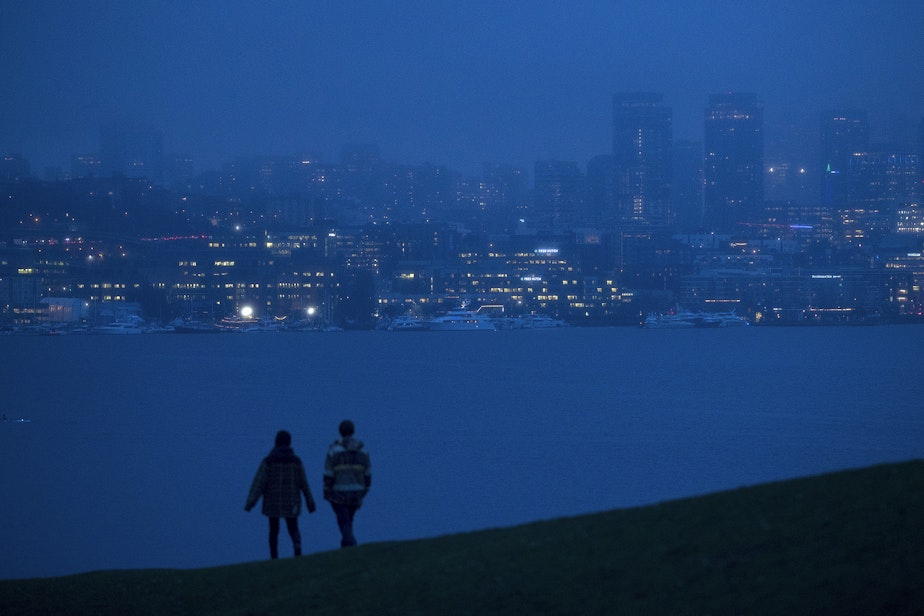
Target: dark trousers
345, 515
292, 527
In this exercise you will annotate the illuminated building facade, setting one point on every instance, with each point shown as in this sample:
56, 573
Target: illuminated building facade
881, 184
908, 286
642, 150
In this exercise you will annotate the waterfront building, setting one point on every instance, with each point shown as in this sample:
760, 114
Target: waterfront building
907, 273
790, 296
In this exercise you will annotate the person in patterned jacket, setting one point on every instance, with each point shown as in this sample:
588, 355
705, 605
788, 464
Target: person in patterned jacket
347, 478
281, 481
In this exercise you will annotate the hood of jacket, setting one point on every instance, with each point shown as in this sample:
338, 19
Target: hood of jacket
281, 455
351, 444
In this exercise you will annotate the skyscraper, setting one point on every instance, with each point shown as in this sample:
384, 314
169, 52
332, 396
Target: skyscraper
132, 150
733, 142
843, 133
687, 185
642, 147
558, 196
920, 151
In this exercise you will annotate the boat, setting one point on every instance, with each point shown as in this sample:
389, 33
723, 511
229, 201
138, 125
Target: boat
461, 321
157, 329
541, 321
667, 321
20, 420
181, 326
503, 322
682, 319
406, 323
730, 319
701, 319
118, 327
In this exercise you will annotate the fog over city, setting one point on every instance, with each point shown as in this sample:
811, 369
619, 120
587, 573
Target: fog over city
686, 240
455, 84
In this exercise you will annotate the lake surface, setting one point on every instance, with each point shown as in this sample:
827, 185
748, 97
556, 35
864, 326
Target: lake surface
141, 449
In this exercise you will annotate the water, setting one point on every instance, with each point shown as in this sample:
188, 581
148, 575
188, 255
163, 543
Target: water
141, 449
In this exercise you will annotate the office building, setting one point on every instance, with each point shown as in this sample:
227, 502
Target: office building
558, 197
843, 133
642, 150
733, 161
687, 185
133, 151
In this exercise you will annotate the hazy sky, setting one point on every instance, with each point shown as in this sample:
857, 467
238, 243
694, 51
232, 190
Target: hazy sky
456, 83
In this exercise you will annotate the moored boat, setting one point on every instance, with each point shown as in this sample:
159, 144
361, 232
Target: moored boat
406, 323
730, 319
461, 320
181, 326
118, 327
541, 321
667, 321
684, 319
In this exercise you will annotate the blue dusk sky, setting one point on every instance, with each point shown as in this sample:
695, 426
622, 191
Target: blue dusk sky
454, 83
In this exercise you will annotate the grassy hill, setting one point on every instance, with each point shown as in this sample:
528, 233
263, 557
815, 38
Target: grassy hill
844, 543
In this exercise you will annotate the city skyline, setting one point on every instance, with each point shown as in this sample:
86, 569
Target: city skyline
453, 86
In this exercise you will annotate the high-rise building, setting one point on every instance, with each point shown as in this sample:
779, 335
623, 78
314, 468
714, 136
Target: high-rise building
920, 151
602, 196
687, 185
881, 182
843, 133
85, 166
733, 164
558, 196
642, 149
13, 167
132, 150
503, 195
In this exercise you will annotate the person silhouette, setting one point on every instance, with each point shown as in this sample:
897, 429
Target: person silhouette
281, 482
347, 478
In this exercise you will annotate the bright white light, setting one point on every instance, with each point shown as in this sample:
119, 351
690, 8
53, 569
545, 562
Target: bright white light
246, 312
311, 310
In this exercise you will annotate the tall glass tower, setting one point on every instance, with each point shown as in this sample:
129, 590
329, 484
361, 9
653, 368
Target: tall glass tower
642, 150
733, 144
843, 134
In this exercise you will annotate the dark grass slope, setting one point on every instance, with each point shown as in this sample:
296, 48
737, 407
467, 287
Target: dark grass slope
845, 543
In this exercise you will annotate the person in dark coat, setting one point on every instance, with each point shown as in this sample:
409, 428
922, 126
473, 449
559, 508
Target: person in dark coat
347, 478
281, 481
